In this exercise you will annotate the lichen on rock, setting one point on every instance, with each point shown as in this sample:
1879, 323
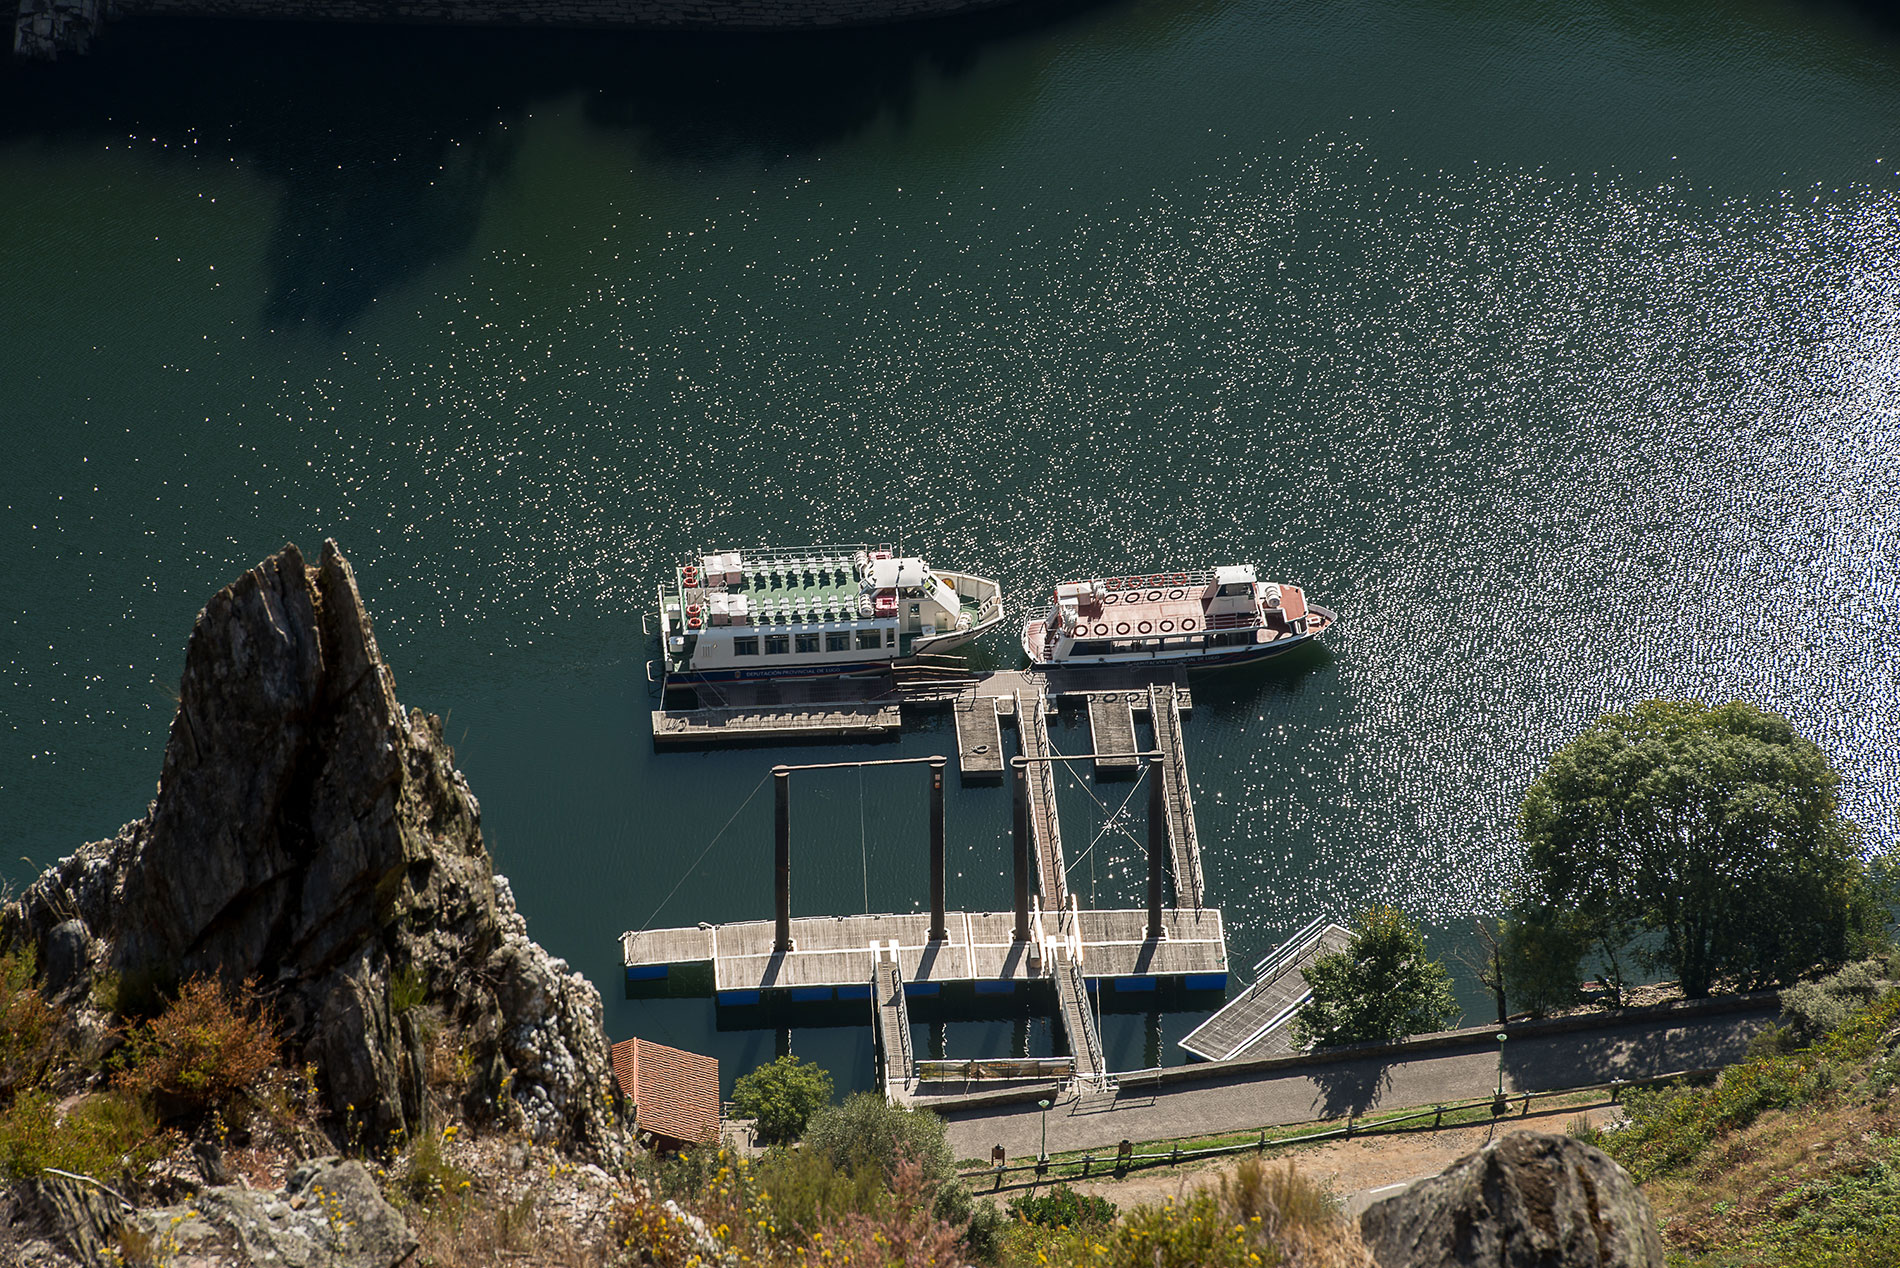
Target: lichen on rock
312, 834
1527, 1198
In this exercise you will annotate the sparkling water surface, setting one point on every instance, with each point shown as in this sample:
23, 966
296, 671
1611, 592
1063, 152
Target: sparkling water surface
1557, 351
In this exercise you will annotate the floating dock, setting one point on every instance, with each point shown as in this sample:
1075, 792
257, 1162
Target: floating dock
979, 739
772, 711
832, 957
1112, 724
1258, 1022
1047, 942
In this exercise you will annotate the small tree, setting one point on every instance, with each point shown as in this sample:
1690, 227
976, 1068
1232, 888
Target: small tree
1381, 986
1542, 954
782, 1095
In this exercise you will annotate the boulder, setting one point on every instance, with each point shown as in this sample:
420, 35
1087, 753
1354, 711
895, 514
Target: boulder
1526, 1200
312, 834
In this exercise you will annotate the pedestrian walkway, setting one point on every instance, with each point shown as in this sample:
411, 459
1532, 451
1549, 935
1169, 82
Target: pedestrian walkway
1333, 1089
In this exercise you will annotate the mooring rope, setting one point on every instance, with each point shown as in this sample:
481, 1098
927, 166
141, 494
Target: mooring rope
703, 853
1109, 823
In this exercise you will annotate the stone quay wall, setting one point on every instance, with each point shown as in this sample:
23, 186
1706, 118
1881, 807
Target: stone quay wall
736, 15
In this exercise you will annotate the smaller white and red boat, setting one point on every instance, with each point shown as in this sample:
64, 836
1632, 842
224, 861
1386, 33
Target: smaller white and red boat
1218, 616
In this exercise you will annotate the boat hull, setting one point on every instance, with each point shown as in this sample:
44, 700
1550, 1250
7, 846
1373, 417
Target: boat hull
1033, 644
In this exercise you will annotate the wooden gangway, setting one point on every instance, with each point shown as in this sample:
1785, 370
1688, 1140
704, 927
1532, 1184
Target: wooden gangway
1045, 829
896, 1063
1258, 1022
1184, 844
1078, 1021
862, 720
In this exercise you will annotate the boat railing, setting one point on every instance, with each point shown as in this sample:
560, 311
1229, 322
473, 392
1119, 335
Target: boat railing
819, 556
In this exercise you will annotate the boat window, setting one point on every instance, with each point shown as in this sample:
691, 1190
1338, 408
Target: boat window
837, 642
807, 642
890, 637
1238, 588
745, 647
777, 644
1092, 647
868, 641
915, 608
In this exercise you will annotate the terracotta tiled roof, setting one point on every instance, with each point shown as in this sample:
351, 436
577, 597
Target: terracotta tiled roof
675, 1093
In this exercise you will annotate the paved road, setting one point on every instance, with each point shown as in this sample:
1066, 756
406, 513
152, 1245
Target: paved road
1332, 1090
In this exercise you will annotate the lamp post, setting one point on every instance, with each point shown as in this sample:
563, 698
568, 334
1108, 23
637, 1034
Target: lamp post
1042, 1159
1497, 1106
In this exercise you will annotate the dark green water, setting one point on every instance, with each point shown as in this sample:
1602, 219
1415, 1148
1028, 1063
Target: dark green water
1554, 346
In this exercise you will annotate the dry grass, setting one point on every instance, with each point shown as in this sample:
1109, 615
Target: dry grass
1741, 1185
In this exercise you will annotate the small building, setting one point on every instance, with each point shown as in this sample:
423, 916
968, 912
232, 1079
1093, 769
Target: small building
675, 1094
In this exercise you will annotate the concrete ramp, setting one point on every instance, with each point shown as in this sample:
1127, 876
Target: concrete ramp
1259, 1022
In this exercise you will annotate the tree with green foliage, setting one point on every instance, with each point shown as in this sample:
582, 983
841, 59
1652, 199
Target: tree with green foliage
782, 1095
1708, 839
1381, 987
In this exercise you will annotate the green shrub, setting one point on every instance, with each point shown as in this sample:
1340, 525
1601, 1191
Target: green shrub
782, 1096
806, 1192
29, 1027
105, 1136
1062, 1207
426, 1175
868, 1131
1818, 1008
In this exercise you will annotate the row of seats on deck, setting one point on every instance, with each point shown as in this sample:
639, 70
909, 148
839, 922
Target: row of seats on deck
778, 576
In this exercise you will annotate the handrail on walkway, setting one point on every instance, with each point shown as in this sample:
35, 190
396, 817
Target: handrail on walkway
1126, 1161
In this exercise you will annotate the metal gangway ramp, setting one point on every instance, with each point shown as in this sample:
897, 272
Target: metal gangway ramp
1032, 737
1258, 1022
1164, 708
1078, 1023
896, 1065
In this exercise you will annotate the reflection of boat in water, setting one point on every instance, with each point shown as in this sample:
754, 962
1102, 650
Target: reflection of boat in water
1220, 616
815, 612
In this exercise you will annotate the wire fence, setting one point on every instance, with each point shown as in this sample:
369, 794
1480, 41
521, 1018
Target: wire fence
1126, 1159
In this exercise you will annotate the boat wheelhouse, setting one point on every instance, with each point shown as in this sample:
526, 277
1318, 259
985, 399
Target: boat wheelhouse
1217, 616
815, 612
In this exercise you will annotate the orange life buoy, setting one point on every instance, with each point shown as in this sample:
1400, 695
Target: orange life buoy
692, 622
1114, 583
692, 609
1179, 579
1155, 580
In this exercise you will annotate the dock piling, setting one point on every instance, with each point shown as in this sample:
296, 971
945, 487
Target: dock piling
1157, 845
939, 932
782, 859
1020, 785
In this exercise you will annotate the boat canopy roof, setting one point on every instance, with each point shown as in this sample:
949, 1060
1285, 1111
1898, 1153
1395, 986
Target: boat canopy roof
1236, 575
897, 574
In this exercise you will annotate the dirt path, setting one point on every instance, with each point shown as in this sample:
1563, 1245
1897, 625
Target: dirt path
1347, 1167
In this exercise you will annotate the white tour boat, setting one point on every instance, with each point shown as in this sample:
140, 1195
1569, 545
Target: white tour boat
1219, 616
815, 612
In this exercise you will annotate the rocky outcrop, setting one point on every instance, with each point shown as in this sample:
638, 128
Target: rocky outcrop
329, 1214
310, 833
1527, 1200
